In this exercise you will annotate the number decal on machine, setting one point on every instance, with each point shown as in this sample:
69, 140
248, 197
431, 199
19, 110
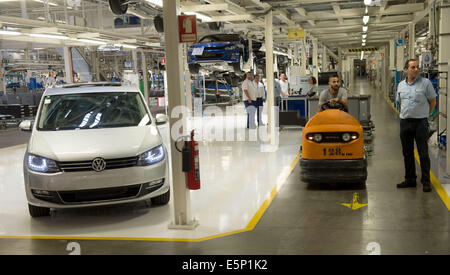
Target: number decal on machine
337, 151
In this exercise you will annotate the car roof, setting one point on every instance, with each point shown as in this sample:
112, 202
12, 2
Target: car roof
93, 87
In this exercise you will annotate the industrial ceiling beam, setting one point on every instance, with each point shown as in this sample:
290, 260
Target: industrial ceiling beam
203, 8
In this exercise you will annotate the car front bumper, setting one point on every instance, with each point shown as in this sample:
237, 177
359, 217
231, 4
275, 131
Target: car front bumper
333, 171
90, 188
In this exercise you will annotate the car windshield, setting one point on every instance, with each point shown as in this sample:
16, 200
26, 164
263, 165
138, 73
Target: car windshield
220, 38
92, 111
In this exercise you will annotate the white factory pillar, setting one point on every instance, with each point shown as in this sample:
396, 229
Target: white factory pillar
315, 71
304, 59
324, 59
444, 86
271, 120
412, 42
145, 75
68, 64
181, 215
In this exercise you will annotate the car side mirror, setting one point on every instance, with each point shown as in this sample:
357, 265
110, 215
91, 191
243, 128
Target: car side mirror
161, 119
26, 125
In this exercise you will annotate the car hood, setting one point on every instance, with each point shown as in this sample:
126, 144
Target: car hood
79, 145
213, 44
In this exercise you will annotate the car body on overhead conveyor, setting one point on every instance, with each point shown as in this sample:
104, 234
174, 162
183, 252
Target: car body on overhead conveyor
220, 51
333, 149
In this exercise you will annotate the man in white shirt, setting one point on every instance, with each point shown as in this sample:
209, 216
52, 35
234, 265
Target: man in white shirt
284, 84
260, 97
249, 97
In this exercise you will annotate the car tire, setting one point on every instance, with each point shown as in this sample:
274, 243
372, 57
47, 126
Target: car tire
159, 23
194, 68
161, 199
118, 7
237, 67
214, 26
36, 211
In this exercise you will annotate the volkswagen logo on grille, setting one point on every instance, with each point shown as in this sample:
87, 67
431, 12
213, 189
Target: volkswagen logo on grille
98, 164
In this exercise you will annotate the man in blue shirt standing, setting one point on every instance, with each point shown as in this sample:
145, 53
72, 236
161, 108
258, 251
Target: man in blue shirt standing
417, 100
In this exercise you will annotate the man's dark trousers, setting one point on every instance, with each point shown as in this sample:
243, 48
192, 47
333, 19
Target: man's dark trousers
250, 111
415, 129
259, 105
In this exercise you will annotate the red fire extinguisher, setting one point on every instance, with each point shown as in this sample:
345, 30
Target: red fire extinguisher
191, 163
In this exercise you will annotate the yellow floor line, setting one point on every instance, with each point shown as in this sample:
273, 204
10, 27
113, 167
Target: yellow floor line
251, 225
434, 181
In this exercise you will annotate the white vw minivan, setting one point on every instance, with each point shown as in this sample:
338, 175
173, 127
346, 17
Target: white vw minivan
94, 144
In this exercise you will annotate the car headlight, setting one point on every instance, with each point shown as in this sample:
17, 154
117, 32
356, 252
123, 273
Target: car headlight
41, 164
152, 156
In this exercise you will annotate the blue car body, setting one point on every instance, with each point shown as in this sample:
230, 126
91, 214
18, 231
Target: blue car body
219, 50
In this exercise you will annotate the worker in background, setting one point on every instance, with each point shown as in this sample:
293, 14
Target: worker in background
312, 86
417, 100
334, 94
276, 90
249, 97
284, 84
260, 98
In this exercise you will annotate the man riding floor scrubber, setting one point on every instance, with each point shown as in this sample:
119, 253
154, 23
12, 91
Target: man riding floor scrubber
333, 148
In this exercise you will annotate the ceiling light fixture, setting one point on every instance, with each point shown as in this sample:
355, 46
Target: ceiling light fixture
53, 36
158, 3
92, 41
9, 32
362, 55
365, 28
49, 3
125, 46
364, 36
366, 19
367, 2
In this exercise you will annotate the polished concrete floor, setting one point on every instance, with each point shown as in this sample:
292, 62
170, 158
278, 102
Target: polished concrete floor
311, 218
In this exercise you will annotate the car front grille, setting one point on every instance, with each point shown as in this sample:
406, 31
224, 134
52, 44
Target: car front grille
104, 194
78, 166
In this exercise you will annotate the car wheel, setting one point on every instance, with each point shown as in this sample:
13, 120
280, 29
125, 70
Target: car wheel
36, 211
194, 68
161, 199
215, 26
238, 66
159, 23
118, 7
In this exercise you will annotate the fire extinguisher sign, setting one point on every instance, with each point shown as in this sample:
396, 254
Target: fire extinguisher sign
187, 25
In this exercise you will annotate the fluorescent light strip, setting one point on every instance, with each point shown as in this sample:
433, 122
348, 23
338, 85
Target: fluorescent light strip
158, 3
362, 55
43, 35
125, 46
280, 53
364, 36
365, 19
10, 32
199, 16
50, 3
365, 28
92, 41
